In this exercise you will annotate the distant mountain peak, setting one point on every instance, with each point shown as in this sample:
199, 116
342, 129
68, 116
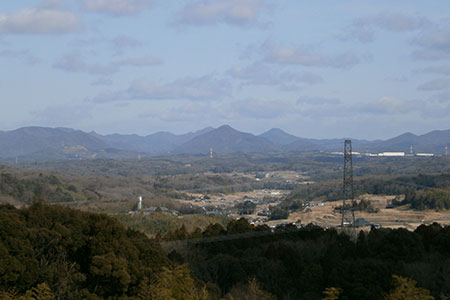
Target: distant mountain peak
226, 139
276, 130
226, 127
59, 143
204, 130
66, 129
405, 137
279, 136
49, 142
408, 134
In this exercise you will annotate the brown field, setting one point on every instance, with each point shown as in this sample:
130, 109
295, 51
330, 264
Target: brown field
326, 216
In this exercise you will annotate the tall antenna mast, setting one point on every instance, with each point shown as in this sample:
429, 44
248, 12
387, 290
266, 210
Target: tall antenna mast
347, 211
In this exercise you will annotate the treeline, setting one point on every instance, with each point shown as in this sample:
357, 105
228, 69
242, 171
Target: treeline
423, 199
293, 263
162, 223
218, 183
94, 193
204, 183
421, 191
46, 186
77, 255
319, 166
54, 252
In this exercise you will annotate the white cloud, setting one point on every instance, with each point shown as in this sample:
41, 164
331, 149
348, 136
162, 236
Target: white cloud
261, 74
186, 112
393, 22
124, 41
433, 44
140, 61
42, 20
119, 43
443, 97
357, 33
207, 88
102, 81
20, 54
62, 115
305, 77
52, 4
387, 105
234, 12
317, 101
438, 106
307, 56
252, 108
200, 88
362, 29
435, 84
253, 74
322, 107
116, 7
445, 70
388, 108
75, 63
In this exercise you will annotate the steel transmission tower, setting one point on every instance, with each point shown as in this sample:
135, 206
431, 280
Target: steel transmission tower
347, 211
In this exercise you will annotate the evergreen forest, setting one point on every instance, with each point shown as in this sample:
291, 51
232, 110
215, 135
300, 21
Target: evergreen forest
55, 252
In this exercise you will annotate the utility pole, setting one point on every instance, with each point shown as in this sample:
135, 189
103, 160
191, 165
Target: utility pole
347, 211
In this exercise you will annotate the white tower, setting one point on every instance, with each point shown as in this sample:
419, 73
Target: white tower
411, 150
211, 152
139, 207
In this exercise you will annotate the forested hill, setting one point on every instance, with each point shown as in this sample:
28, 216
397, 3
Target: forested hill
227, 140
49, 144
423, 191
293, 263
53, 252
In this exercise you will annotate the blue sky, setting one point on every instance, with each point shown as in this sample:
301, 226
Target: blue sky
320, 69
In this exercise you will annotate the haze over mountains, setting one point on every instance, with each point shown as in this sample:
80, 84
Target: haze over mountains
42, 143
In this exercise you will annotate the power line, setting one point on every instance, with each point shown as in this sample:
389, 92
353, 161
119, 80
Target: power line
227, 237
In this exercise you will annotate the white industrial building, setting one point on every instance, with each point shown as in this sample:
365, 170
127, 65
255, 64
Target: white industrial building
387, 154
391, 154
424, 154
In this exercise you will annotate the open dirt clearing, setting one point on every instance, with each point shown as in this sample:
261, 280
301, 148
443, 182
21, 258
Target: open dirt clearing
325, 215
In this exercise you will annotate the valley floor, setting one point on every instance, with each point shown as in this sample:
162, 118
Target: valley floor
324, 214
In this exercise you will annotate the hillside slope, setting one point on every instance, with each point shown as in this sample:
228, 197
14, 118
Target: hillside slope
226, 140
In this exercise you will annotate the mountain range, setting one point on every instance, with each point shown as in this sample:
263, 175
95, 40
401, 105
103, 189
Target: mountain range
42, 143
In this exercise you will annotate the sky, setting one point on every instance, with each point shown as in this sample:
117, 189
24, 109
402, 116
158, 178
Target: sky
316, 69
